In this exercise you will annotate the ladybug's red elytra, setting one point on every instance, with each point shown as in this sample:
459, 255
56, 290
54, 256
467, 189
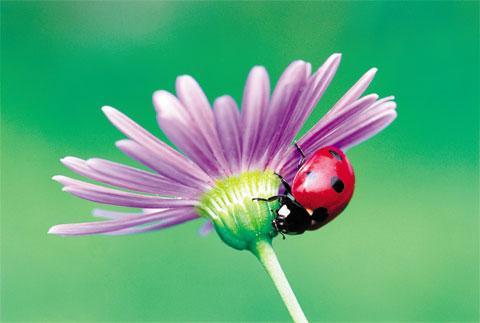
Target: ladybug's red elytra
321, 189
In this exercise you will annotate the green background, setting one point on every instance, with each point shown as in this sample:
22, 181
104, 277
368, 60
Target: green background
407, 248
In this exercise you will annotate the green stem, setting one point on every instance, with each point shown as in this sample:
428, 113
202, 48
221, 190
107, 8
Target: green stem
265, 253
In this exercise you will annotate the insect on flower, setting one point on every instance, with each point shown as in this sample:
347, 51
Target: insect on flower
227, 157
322, 188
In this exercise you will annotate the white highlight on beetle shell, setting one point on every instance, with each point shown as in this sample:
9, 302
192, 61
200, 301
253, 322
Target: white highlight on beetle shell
310, 179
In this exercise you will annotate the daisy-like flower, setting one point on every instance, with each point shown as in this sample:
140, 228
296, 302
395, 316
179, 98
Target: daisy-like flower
227, 157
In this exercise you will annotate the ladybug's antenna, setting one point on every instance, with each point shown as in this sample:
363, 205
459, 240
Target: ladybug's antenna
302, 159
287, 187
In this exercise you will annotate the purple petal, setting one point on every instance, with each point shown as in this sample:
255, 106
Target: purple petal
312, 93
354, 92
173, 162
105, 195
283, 100
336, 129
348, 99
309, 98
140, 154
127, 177
206, 228
312, 140
177, 124
162, 224
147, 158
131, 174
366, 130
227, 118
354, 123
119, 224
197, 105
114, 215
254, 102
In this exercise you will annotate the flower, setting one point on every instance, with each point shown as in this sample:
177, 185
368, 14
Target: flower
219, 143
228, 157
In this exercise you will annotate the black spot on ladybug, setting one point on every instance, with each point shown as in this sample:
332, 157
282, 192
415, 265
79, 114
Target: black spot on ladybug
335, 154
337, 184
320, 214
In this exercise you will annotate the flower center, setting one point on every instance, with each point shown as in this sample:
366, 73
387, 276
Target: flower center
239, 220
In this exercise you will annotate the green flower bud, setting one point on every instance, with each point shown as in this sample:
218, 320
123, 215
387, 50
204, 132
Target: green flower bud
240, 221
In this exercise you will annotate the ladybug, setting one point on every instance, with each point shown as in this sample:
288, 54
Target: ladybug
321, 189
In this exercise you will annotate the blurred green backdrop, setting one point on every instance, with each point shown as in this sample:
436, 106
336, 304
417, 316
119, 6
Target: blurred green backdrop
405, 249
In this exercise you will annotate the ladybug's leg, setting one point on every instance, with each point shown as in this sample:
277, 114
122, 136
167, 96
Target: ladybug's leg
275, 225
288, 189
302, 159
274, 221
270, 199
